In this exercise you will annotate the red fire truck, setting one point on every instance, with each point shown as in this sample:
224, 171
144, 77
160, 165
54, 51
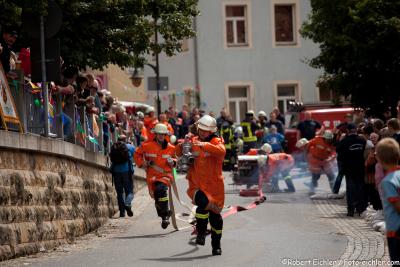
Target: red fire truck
329, 117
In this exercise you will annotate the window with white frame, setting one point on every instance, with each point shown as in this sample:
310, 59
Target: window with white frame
236, 25
286, 93
238, 102
285, 24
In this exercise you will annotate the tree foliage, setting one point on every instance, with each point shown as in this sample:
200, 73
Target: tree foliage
98, 32
359, 42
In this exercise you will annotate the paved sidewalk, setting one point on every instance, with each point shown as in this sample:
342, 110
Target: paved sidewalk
364, 244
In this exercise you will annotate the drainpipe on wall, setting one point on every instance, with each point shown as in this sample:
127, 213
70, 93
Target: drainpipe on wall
196, 66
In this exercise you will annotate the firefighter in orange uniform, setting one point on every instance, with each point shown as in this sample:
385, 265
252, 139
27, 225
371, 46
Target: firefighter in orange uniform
206, 183
156, 157
278, 164
320, 156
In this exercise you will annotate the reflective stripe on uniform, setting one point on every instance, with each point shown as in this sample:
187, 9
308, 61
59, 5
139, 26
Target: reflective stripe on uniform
163, 199
218, 232
165, 156
287, 177
250, 137
227, 135
150, 155
196, 153
158, 168
202, 216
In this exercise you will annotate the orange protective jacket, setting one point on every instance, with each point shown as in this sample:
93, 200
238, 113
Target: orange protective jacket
279, 162
145, 134
150, 122
161, 171
206, 172
320, 149
320, 154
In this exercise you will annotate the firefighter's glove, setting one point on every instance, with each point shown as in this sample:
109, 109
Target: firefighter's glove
189, 136
171, 162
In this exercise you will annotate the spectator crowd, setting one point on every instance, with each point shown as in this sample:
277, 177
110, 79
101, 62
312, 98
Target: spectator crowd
365, 150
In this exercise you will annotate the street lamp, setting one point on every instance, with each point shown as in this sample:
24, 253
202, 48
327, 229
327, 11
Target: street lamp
136, 79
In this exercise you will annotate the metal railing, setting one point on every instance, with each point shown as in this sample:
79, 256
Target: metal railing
67, 121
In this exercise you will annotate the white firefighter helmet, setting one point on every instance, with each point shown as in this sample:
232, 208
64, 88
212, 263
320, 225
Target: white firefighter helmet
172, 139
239, 130
250, 113
267, 148
302, 142
207, 123
262, 113
140, 114
160, 129
150, 109
328, 134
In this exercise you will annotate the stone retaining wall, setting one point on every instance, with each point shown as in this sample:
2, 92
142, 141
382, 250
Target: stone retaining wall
50, 192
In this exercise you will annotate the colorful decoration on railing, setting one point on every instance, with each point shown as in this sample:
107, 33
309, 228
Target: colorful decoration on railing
80, 134
35, 88
37, 103
90, 132
96, 130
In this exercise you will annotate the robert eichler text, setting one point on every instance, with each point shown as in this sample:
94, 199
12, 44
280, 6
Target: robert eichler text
326, 262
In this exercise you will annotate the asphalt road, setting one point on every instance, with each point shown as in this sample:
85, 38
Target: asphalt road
286, 226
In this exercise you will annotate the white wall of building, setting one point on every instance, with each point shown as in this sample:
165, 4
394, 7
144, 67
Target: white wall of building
261, 65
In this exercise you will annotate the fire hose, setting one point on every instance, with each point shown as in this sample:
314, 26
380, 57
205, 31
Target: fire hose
231, 210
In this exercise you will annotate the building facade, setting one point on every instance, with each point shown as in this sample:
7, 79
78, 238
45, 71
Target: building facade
248, 54
118, 82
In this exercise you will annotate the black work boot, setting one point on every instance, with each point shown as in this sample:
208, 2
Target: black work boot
216, 247
129, 211
350, 212
201, 239
216, 251
290, 185
164, 222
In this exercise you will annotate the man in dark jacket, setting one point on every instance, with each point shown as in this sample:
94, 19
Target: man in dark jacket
350, 152
340, 132
249, 125
307, 128
277, 123
122, 173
